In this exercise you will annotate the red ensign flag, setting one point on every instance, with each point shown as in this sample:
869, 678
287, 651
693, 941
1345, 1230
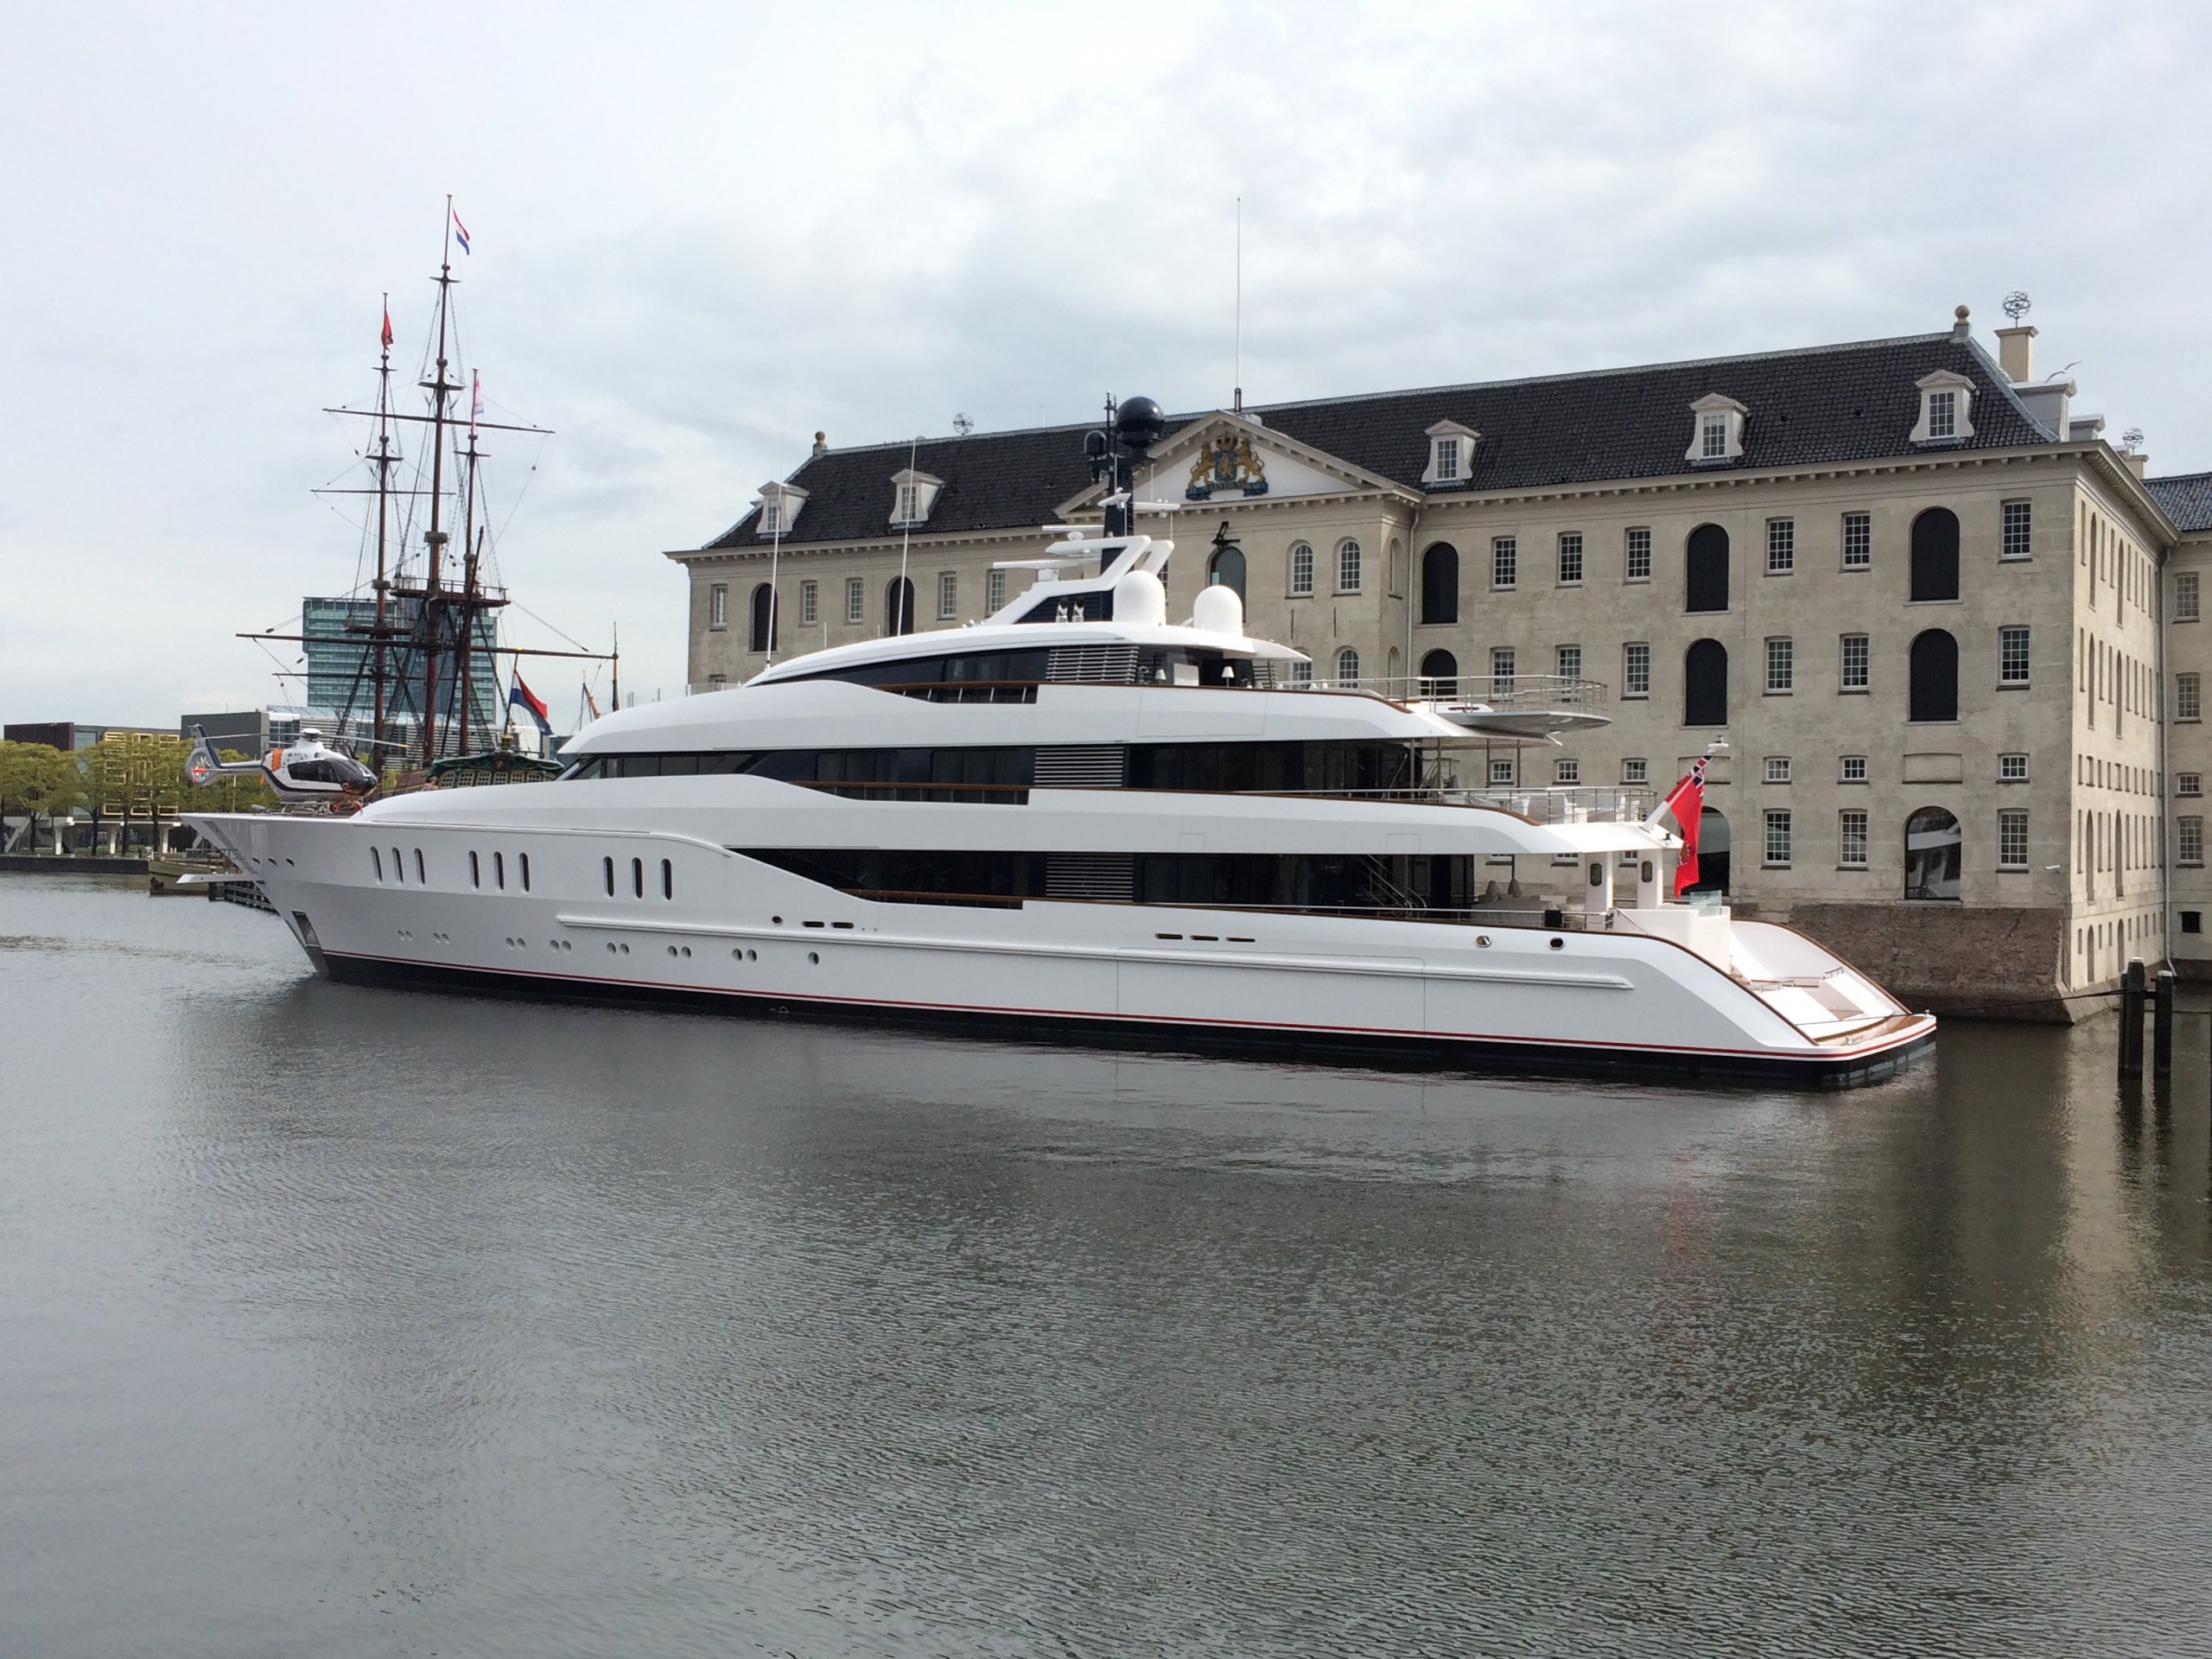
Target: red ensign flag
1686, 802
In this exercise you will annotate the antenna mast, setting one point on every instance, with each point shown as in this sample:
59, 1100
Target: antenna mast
1238, 390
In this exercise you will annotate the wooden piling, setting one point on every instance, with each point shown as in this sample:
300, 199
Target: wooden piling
2131, 1020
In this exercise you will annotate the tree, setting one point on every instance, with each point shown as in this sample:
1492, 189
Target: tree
37, 779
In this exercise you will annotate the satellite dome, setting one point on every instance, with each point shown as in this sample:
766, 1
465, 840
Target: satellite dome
1141, 422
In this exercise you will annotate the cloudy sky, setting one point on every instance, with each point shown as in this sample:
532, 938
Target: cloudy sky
702, 233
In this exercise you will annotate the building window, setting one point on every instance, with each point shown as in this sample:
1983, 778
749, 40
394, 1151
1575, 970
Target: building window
1440, 583
2185, 596
1440, 675
1858, 540
2011, 840
2013, 768
718, 606
1639, 556
948, 595
1567, 772
1504, 562
1781, 546
1933, 850
1226, 569
1570, 558
771, 518
1501, 671
1569, 661
2192, 921
1447, 461
2011, 656
1635, 671
1935, 555
717, 681
994, 591
809, 604
1713, 436
1636, 770
2188, 840
1781, 666
1942, 414
855, 600
1501, 772
1945, 399
904, 512
2016, 536
1707, 569
1347, 667
2188, 697
1934, 670
2190, 783
1705, 685
899, 606
764, 619
1301, 569
1777, 836
1852, 769
1301, 673
1856, 660
1778, 768
1348, 568
1851, 839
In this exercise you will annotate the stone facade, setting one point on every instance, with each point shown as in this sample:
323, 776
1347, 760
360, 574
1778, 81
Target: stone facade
1833, 544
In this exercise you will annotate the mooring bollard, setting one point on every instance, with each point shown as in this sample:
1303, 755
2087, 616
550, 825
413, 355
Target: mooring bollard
2131, 1020
2162, 1022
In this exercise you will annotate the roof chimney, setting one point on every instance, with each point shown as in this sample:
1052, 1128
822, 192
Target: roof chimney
821, 443
1959, 329
2016, 352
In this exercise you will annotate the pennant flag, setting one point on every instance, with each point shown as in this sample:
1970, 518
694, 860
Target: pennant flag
476, 397
524, 698
387, 324
461, 232
1686, 802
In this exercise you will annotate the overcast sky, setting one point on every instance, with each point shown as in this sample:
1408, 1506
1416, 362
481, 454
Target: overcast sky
702, 233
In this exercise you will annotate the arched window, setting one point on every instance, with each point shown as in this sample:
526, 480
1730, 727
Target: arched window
899, 606
764, 618
1713, 841
1226, 569
1932, 850
1301, 567
1707, 566
1440, 675
1705, 685
1935, 555
1348, 568
1440, 583
1347, 667
1934, 670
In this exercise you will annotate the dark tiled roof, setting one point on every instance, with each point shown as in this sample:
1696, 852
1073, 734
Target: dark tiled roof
2186, 498
1810, 407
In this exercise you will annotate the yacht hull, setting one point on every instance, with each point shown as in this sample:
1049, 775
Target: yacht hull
689, 923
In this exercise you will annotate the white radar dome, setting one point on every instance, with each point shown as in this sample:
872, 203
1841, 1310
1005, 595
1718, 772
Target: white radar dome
1219, 610
1140, 599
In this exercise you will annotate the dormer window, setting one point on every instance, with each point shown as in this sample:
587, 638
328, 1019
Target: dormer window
1718, 432
912, 494
1451, 454
779, 507
1946, 406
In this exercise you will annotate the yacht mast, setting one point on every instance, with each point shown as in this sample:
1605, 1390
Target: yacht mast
384, 458
434, 606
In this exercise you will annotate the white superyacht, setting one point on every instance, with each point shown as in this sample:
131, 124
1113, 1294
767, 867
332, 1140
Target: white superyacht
1078, 818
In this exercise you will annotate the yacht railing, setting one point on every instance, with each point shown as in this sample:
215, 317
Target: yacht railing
1488, 690
1566, 805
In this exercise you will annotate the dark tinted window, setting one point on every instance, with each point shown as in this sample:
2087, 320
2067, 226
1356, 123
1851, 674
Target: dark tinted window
1934, 669
1440, 583
1706, 559
1705, 685
1935, 555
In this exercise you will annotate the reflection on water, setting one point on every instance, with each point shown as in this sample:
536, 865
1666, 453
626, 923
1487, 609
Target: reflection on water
343, 1321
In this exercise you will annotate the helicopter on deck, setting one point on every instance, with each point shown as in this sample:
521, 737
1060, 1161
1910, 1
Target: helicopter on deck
307, 772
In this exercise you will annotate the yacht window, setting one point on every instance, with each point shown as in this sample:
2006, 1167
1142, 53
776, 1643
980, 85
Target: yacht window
610, 875
667, 879
475, 869
525, 859
376, 859
398, 870
499, 871
419, 876
638, 877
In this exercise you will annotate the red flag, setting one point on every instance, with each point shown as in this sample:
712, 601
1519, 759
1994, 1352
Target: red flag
387, 326
1686, 802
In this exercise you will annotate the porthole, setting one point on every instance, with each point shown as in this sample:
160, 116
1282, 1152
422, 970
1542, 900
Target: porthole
625, 949
671, 949
777, 921
610, 947
1558, 945
1481, 941
814, 957
687, 953
752, 956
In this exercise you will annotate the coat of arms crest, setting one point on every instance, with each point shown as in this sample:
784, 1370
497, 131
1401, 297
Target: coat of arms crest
1227, 462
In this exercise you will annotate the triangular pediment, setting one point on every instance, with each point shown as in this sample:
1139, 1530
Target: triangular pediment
1225, 458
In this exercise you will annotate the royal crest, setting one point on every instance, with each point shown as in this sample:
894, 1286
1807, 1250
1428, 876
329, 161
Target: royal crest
1229, 462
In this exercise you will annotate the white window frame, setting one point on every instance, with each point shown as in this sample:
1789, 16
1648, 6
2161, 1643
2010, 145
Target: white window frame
809, 603
1567, 661
2189, 840
2188, 785
1859, 539
718, 607
2012, 767
1961, 407
1567, 772
2187, 596
1501, 772
1504, 563
1636, 554
1301, 569
855, 599
1711, 414
2008, 636
1451, 453
1635, 769
1782, 547
1348, 566
1864, 665
1851, 828
948, 595
1347, 665
1636, 656
1775, 848
913, 494
2188, 697
2016, 531
1570, 558
1845, 765
1777, 769
1781, 666
1504, 665
2012, 827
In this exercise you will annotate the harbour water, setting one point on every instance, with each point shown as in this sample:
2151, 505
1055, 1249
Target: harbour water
340, 1321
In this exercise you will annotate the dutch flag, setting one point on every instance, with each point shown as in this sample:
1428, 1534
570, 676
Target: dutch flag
530, 704
459, 232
